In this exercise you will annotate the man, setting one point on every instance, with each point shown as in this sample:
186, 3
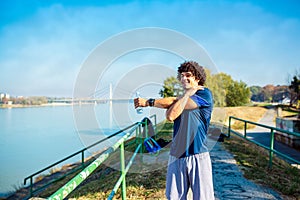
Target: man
189, 161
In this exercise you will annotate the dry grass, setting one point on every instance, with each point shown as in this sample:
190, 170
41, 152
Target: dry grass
245, 112
252, 113
254, 162
150, 185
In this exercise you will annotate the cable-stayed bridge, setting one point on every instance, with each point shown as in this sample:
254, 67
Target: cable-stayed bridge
87, 100
103, 95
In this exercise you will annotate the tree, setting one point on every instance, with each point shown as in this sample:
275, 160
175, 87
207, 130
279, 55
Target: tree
268, 92
219, 86
172, 87
256, 93
280, 92
295, 89
238, 94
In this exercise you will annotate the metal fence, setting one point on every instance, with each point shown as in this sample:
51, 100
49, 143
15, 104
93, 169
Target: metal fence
88, 168
269, 147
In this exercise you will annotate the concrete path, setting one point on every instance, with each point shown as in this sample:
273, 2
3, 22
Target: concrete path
229, 182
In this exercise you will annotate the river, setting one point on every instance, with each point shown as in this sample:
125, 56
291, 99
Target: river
35, 137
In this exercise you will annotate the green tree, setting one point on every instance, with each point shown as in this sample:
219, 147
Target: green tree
267, 93
225, 91
172, 87
222, 82
256, 93
238, 94
295, 89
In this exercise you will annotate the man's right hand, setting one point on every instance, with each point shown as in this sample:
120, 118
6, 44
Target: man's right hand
140, 102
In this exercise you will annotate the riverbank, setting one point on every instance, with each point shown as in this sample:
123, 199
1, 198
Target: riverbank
32, 106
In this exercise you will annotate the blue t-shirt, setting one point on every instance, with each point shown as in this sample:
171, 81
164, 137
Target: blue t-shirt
190, 128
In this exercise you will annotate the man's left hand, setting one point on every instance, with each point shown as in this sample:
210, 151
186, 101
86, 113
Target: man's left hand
191, 91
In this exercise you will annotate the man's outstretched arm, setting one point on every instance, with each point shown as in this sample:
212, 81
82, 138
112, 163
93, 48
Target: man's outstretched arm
158, 103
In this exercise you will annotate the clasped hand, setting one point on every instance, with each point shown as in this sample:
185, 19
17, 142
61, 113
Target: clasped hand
191, 91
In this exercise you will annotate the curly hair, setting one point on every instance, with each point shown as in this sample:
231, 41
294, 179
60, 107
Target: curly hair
193, 67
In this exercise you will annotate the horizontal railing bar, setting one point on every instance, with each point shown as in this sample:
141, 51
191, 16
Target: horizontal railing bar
266, 147
112, 135
79, 178
286, 156
80, 151
52, 165
269, 127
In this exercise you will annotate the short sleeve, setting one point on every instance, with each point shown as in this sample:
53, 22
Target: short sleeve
202, 98
199, 101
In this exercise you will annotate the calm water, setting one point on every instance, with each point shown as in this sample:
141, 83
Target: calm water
33, 138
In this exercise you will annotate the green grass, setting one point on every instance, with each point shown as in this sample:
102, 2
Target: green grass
254, 162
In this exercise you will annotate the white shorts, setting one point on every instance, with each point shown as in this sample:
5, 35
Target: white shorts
193, 172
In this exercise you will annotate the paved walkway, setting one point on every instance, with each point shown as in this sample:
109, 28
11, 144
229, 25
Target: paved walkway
229, 182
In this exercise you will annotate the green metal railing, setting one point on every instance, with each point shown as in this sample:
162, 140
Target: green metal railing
89, 168
64, 191
83, 163
272, 134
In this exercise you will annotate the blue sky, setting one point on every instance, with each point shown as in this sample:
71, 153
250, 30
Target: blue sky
44, 43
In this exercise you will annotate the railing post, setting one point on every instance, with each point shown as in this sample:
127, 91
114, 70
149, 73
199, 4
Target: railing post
31, 186
155, 122
141, 142
82, 159
137, 136
146, 128
229, 127
122, 157
271, 149
245, 129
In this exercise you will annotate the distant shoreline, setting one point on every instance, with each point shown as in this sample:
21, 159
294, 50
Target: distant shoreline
5, 106
44, 105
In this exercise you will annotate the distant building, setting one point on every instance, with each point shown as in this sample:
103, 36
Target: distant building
286, 100
1, 96
4, 96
